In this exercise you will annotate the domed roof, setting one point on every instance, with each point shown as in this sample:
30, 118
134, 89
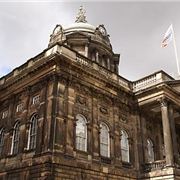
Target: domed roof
80, 26
97, 34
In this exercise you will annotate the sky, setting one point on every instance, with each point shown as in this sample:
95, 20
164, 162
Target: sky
136, 30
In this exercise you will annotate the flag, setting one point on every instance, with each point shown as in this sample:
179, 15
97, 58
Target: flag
167, 37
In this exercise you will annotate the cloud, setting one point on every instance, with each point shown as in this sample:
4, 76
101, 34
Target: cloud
136, 30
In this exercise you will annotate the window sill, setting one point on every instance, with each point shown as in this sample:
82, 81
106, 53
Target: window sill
106, 160
29, 150
12, 155
126, 164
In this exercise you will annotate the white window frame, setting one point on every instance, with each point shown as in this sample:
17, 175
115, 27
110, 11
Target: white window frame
15, 139
32, 135
19, 107
5, 114
103, 143
81, 140
36, 99
125, 153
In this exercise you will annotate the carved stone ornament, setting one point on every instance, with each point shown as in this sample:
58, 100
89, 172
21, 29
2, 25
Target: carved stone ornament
103, 110
81, 16
57, 35
163, 102
81, 100
102, 30
58, 29
123, 118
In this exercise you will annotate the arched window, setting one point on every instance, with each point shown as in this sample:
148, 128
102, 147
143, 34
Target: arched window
15, 139
124, 146
150, 151
104, 140
33, 132
1, 140
81, 133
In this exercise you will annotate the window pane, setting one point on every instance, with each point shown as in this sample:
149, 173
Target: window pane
33, 132
104, 140
15, 140
81, 133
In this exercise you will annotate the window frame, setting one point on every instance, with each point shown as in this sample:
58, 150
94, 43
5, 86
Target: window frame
78, 143
15, 139
125, 148
104, 144
32, 133
19, 107
5, 114
36, 99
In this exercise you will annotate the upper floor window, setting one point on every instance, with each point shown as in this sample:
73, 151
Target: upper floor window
1, 140
81, 133
15, 139
33, 132
150, 151
5, 114
104, 140
36, 99
124, 146
19, 107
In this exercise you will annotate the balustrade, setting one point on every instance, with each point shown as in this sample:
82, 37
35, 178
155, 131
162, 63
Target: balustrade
156, 165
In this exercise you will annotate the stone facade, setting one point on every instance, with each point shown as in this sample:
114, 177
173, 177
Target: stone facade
77, 76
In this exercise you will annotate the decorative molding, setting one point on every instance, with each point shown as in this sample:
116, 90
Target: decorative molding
163, 101
103, 110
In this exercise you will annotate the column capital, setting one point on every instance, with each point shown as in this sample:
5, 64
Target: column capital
163, 102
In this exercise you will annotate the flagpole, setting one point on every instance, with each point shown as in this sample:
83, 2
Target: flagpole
175, 50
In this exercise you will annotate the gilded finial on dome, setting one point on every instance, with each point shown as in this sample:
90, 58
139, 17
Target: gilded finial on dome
81, 16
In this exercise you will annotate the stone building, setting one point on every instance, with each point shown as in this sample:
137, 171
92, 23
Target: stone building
67, 114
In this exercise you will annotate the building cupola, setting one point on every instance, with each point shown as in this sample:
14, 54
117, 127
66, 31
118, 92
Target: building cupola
88, 40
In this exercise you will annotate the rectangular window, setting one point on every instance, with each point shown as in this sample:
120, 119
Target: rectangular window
19, 107
36, 99
4, 114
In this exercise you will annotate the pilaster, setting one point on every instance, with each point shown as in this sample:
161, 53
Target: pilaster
173, 133
70, 139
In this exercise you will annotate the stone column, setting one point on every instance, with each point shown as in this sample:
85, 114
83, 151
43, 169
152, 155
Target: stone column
173, 133
108, 63
97, 57
167, 133
86, 50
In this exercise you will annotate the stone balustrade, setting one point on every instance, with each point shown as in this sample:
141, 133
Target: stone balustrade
151, 80
156, 165
136, 86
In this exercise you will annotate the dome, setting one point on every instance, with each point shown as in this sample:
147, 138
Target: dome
80, 26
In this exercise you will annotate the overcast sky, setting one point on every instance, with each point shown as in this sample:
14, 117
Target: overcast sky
136, 30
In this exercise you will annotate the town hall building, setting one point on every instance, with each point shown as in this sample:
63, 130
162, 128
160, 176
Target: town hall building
67, 114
